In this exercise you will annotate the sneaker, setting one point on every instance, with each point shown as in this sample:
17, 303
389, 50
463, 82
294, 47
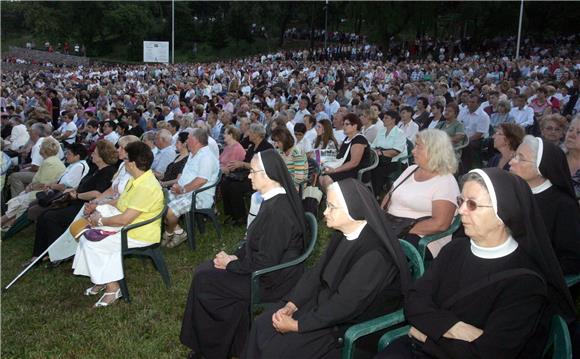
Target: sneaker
167, 238
177, 239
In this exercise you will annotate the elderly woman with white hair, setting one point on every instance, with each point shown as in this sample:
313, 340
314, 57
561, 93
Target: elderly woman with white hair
422, 200
543, 165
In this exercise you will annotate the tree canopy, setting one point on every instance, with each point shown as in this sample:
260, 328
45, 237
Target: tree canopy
102, 25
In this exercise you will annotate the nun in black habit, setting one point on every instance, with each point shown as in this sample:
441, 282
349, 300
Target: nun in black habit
544, 166
491, 295
363, 274
216, 320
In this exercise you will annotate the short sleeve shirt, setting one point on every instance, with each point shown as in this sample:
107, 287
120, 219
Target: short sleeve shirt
452, 128
74, 173
394, 140
204, 165
414, 199
143, 194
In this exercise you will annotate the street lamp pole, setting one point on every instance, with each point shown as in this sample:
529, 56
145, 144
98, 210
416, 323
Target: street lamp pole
325, 25
172, 31
520, 30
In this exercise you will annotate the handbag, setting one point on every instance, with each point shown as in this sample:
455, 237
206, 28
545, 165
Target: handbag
45, 198
62, 201
238, 176
402, 225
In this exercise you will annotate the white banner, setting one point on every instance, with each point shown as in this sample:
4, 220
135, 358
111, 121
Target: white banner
156, 51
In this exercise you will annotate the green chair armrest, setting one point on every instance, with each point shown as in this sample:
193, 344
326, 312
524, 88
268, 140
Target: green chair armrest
255, 285
433, 237
572, 279
198, 191
391, 335
365, 328
129, 227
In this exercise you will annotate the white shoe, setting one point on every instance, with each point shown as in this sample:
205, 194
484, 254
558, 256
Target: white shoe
94, 290
102, 303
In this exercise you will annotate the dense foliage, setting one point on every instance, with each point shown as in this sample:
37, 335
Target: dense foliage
257, 26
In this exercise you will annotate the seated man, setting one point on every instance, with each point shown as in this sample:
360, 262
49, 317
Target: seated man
201, 169
165, 154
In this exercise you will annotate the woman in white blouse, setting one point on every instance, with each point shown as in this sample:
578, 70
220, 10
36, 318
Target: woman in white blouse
427, 189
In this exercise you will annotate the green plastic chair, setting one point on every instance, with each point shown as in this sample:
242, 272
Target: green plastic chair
361, 173
360, 330
255, 301
433, 237
19, 225
572, 279
195, 215
401, 166
391, 335
559, 344
153, 251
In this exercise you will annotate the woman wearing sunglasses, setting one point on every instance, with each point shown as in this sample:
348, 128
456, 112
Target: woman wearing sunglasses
490, 295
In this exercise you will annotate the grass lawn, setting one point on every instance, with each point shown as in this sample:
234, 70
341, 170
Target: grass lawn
46, 315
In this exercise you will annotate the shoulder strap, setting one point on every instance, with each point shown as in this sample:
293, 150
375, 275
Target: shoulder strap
403, 181
492, 279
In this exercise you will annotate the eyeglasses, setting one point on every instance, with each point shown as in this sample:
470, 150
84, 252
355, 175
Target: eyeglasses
469, 203
519, 158
252, 171
550, 128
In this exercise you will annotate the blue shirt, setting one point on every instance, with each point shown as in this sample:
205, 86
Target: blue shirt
204, 164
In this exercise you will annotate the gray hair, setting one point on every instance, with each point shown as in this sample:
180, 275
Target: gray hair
125, 140
442, 158
39, 128
533, 143
200, 135
149, 136
164, 135
258, 129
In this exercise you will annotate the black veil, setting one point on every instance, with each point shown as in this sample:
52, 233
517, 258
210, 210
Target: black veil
553, 165
276, 170
362, 206
517, 208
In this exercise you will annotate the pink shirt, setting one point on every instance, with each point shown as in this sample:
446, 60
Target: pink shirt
414, 199
234, 152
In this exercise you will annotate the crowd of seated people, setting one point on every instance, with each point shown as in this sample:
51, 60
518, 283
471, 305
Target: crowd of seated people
110, 140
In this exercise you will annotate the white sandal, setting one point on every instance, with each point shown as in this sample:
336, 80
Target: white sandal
102, 303
94, 290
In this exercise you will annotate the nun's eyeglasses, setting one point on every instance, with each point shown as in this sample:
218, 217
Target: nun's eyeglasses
519, 158
255, 171
469, 203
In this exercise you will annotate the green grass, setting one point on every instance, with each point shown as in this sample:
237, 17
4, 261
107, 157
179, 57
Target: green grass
46, 315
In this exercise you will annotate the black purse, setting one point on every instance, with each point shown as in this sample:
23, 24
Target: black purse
46, 198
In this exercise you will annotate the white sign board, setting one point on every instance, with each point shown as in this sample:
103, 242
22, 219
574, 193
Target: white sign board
156, 51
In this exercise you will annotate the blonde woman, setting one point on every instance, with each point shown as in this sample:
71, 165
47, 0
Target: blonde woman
426, 190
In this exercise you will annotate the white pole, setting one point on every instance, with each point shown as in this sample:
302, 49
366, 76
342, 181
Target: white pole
325, 25
520, 29
172, 31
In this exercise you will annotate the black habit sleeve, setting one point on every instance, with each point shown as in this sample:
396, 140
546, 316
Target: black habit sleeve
566, 236
420, 309
511, 323
271, 240
307, 286
360, 285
